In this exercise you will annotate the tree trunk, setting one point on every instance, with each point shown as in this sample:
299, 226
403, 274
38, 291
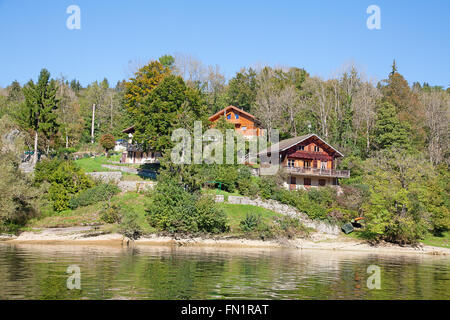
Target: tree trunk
93, 121
35, 155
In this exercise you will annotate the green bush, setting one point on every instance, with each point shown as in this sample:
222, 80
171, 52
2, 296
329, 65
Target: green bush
210, 217
250, 222
111, 214
65, 178
102, 192
290, 228
107, 141
313, 203
129, 225
175, 210
268, 188
247, 187
228, 175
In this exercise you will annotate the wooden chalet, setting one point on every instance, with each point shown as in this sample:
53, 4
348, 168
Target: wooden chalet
308, 161
244, 122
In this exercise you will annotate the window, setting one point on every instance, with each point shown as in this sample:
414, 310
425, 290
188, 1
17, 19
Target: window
229, 116
244, 128
315, 164
291, 163
323, 164
237, 116
301, 148
307, 164
316, 149
307, 181
322, 182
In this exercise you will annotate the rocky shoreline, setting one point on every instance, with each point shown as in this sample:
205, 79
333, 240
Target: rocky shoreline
91, 236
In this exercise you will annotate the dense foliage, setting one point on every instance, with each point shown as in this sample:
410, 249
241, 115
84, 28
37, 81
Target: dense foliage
19, 200
175, 210
65, 178
102, 192
107, 142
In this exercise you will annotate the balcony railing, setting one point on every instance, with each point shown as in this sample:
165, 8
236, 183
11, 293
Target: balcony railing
319, 172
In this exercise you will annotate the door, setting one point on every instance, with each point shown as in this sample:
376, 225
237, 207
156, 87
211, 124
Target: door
293, 185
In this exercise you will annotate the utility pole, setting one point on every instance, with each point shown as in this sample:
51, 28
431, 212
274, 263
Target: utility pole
93, 121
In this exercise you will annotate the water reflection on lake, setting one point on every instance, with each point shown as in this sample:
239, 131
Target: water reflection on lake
148, 272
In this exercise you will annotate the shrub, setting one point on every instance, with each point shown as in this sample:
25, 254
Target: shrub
107, 141
313, 205
247, 187
111, 214
250, 222
291, 227
175, 210
129, 225
268, 188
102, 192
228, 175
65, 178
211, 218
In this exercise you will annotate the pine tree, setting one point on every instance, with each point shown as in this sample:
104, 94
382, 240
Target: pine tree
40, 106
389, 130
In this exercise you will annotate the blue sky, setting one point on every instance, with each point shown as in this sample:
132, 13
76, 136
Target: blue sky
320, 36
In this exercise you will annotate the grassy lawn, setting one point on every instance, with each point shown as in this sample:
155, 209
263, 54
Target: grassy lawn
237, 212
130, 201
443, 241
95, 164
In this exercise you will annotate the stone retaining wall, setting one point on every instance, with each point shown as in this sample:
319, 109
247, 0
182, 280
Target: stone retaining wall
136, 186
284, 209
113, 176
140, 172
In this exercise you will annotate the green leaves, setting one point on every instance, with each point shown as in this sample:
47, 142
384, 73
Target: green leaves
65, 178
168, 106
40, 104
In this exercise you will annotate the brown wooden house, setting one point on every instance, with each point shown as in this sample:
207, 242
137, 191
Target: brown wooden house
244, 122
308, 161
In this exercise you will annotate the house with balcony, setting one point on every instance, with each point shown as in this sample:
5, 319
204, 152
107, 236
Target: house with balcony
244, 122
307, 161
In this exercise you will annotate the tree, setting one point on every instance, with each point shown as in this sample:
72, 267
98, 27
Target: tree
214, 89
389, 131
69, 114
397, 92
190, 69
143, 82
364, 104
107, 142
405, 197
437, 108
167, 61
18, 202
170, 105
15, 93
40, 106
242, 89
267, 107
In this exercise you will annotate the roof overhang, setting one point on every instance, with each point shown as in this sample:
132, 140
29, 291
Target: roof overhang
268, 150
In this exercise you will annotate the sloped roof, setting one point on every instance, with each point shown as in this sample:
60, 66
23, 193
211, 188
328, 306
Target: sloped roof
287, 143
219, 113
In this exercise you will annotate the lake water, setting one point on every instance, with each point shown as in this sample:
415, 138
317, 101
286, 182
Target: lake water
147, 272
